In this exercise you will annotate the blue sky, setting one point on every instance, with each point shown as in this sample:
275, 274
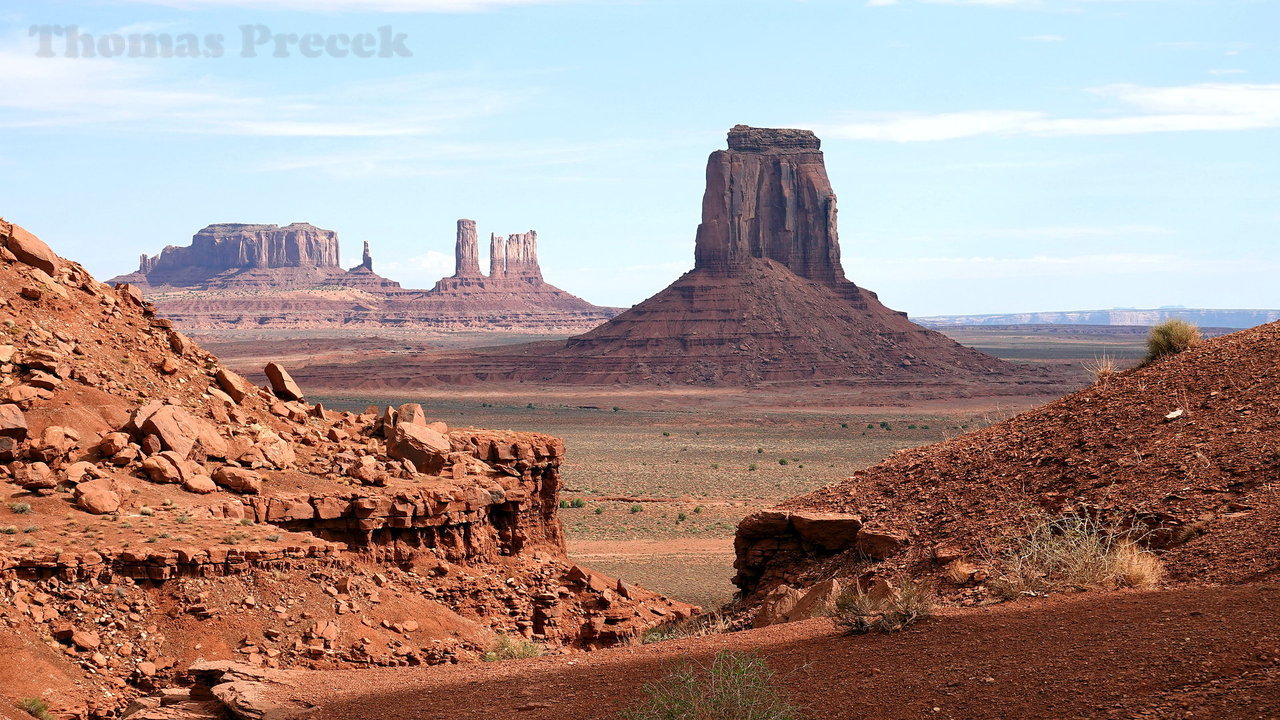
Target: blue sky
989, 155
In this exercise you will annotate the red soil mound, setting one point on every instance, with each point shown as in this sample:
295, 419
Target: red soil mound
1186, 449
158, 508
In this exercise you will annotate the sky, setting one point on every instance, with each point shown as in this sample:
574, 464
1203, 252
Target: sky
989, 155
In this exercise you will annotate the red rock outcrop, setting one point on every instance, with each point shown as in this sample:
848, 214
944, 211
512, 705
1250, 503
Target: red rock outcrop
766, 302
1180, 453
467, 251
149, 472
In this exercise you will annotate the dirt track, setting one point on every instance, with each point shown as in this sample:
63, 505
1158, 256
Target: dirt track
1191, 652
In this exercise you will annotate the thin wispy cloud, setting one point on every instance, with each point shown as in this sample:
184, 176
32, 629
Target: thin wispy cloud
387, 6
1140, 109
146, 96
991, 268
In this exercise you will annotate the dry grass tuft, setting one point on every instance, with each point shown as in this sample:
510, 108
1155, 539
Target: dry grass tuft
1103, 368
1170, 338
858, 611
735, 686
712, 623
1074, 553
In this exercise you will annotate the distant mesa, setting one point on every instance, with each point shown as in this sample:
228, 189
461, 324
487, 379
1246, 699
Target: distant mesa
1204, 317
767, 301
236, 276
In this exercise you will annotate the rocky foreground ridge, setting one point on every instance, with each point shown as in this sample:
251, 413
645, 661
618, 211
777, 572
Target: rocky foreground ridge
766, 302
160, 510
1181, 453
237, 276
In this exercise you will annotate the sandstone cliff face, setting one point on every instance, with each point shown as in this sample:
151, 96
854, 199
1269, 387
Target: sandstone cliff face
235, 246
768, 197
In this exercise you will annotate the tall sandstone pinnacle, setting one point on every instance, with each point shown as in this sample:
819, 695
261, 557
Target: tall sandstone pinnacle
366, 261
768, 197
467, 251
522, 256
497, 256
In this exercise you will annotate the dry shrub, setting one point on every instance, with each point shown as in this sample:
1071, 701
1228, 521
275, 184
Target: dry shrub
1170, 338
1073, 553
735, 686
1103, 368
509, 648
712, 623
859, 611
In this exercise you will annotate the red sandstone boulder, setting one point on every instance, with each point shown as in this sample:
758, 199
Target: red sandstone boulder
282, 383
828, 531
238, 480
234, 385
13, 424
28, 248
183, 433
425, 448
97, 497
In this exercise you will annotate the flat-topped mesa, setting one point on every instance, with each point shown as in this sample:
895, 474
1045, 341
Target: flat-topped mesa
768, 197
467, 251
236, 246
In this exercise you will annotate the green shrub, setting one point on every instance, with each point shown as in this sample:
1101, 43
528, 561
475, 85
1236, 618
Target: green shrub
35, 707
681, 518
858, 611
599, 511
735, 686
577, 503
636, 508
752, 467
509, 648
1170, 338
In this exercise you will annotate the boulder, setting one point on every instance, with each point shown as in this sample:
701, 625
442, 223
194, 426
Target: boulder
113, 443
98, 497
776, 606
183, 433
282, 384
818, 601
13, 424
28, 248
35, 476
878, 545
199, 484
425, 448
239, 480
234, 385
411, 413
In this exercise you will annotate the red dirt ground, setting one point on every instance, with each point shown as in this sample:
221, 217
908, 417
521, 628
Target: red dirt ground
1206, 652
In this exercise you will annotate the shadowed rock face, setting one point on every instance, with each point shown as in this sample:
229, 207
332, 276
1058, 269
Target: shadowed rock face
768, 197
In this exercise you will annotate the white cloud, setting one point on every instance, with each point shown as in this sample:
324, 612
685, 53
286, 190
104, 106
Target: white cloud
395, 6
158, 96
1204, 107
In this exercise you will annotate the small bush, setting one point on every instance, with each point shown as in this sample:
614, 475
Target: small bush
681, 518
8, 530
274, 537
20, 508
858, 611
735, 686
1170, 338
752, 467
636, 508
509, 648
599, 511
146, 511
35, 707
1075, 553
783, 461
577, 503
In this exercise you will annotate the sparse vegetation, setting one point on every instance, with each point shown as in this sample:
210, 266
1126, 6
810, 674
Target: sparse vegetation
509, 648
712, 623
20, 508
8, 530
146, 511
1074, 553
735, 686
35, 707
859, 611
636, 508
1170, 338
1103, 367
